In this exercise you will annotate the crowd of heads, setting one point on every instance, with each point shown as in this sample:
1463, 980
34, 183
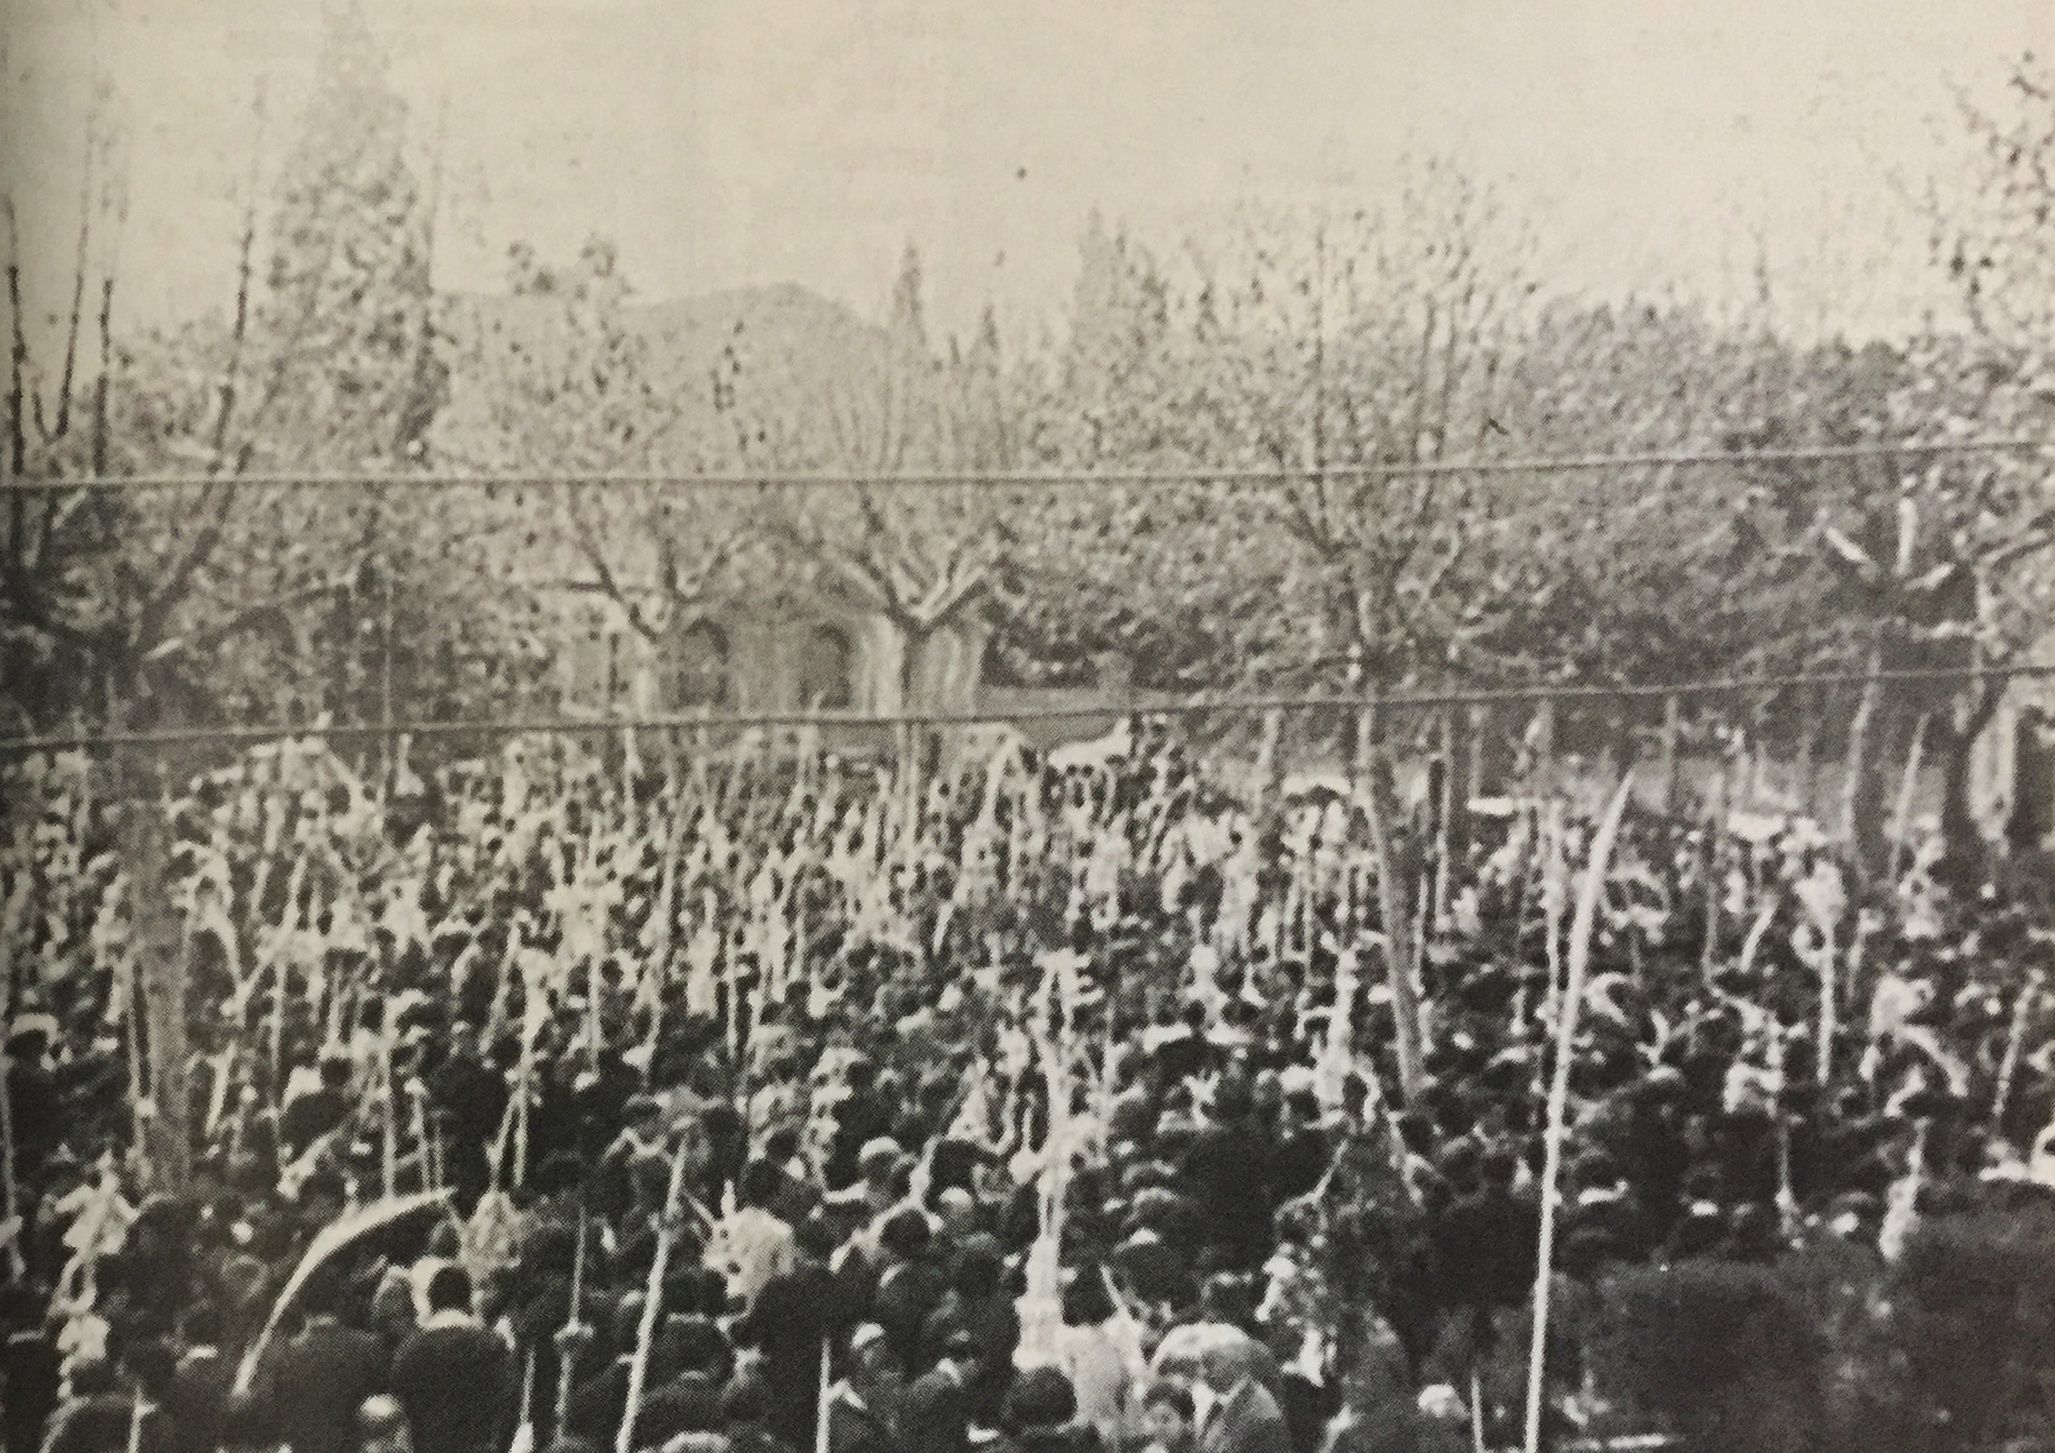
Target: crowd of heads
772, 1099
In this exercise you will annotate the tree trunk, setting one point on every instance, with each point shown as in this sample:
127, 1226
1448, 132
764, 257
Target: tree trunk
1397, 884
1808, 753
160, 964
1965, 847
1879, 744
916, 739
1542, 764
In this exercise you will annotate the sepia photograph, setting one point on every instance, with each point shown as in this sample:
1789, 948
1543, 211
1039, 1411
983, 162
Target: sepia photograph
1037, 726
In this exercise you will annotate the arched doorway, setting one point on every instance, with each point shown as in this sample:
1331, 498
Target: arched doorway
700, 666
826, 672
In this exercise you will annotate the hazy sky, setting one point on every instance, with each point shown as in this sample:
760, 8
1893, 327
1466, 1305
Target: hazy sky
751, 141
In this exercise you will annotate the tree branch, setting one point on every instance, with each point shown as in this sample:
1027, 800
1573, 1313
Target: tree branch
588, 543
78, 295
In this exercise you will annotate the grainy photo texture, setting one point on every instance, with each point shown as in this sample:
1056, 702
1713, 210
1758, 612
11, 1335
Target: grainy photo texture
1241, 726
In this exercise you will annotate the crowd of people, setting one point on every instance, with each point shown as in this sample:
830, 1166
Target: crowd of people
662, 1103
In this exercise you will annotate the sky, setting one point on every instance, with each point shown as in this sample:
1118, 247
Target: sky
1658, 145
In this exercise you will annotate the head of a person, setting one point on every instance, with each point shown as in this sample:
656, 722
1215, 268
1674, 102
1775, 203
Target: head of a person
688, 1404
761, 1182
382, 1426
958, 1211
870, 1355
1041, 1397
979, 1269
817, 1237
322, 1295
877, 1161
907, 1234
1086, 1302
1169, 1416
392, 1306
782, 1144
1228, 1364
1227, 1297
449, 1290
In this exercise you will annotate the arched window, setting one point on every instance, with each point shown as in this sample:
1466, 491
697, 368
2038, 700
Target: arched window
827, 680
700, 664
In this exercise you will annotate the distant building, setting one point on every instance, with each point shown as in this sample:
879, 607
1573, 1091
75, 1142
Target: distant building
2012, 774
793, 653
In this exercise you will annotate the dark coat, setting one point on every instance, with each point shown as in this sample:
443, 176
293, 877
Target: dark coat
457, 1386
30, 1382
106, 1423
935, 1418
792, 1315
903, 1298
1223, 1173
318, 1381
853, 1429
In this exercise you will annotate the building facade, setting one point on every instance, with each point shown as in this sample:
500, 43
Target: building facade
812, 652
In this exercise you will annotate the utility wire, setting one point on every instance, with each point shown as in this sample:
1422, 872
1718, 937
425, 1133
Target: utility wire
1184, 477
1180, 707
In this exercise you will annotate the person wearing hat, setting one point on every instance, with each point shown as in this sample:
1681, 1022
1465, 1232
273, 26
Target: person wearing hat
864, 1405
907, 1286
381, 1426
1041, 1415
935, 1417
793, 1315
862, 1119
32, 1093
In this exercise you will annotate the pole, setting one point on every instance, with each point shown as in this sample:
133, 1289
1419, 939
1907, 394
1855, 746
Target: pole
567, 1348
1582, 931
1672, 728
653, 1295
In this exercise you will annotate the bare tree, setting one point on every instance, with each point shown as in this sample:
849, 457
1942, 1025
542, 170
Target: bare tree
923, 560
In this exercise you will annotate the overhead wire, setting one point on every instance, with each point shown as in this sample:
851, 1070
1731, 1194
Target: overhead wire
1178, 477
250, 734
1137, 708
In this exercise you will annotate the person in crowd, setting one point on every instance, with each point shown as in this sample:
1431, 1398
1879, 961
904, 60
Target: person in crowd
1263, 1237
935, 1415
455, 1379
796, 1315
324, 1373
864, 1405
1041, 1416
746, 1414
1241, 1415
1169, 1419
380, 1426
